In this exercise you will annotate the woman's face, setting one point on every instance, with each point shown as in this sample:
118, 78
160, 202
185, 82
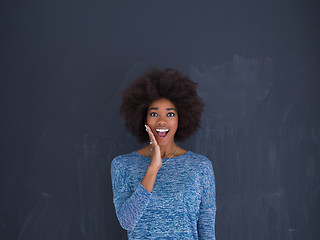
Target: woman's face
162, 118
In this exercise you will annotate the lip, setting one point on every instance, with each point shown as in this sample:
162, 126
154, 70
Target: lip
157, 130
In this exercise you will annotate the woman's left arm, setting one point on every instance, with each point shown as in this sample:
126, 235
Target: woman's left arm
207, 212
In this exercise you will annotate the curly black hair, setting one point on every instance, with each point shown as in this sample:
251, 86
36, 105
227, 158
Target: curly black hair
153, 85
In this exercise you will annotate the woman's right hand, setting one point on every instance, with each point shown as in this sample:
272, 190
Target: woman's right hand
156, 160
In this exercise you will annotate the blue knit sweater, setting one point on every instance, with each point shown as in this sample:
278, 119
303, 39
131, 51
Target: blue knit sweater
182, 204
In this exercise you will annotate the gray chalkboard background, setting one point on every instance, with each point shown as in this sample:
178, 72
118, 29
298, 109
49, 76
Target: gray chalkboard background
64, 64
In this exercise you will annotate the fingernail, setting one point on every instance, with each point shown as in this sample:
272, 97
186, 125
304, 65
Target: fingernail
146, 128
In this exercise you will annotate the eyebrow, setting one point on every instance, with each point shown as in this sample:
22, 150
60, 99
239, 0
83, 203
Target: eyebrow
155, 108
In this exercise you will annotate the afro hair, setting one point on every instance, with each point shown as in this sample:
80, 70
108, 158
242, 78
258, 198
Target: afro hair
153, 85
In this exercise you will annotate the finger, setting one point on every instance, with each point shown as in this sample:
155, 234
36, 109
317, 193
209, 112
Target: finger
151, 135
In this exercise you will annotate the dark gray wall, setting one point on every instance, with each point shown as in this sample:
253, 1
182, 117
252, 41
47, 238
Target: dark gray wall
64, 64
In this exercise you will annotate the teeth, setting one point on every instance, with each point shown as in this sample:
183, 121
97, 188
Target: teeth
162, 130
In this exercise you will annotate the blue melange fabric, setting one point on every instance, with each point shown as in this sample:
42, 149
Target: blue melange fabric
182, 204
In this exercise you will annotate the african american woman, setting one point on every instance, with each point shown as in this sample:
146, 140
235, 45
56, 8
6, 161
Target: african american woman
163, 191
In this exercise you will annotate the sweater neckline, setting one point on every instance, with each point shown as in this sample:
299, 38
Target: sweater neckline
182, 155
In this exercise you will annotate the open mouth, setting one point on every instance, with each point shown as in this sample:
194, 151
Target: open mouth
162, 132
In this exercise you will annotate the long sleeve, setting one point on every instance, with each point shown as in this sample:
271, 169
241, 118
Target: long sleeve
181, 206
129, 205
207, 212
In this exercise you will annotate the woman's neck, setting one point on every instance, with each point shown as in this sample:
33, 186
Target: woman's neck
168, 150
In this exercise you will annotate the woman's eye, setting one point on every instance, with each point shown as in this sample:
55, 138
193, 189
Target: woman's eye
153, 114
171, 114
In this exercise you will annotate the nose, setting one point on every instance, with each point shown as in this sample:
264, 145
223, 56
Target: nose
161, 120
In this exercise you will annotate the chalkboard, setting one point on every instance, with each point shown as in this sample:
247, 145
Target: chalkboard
64, 65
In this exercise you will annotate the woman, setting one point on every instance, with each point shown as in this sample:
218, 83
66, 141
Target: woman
163, 191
